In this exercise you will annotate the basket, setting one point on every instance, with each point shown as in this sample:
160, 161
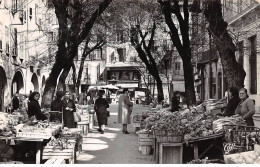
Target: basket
137, 118
240, 138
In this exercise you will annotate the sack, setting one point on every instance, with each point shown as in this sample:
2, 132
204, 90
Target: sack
108, 114
76, 117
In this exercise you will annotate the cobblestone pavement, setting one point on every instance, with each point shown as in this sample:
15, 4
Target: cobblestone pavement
113, 147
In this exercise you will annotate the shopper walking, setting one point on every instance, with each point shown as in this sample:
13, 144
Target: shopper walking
124, 110
68, 109
100, 108
34, 108
232, 102
246, 107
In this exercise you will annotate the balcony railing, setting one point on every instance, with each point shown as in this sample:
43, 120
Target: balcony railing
243, 13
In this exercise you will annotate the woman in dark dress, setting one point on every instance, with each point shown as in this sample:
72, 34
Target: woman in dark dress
68, 109
34, 108
56, 105
100, 108
233, 102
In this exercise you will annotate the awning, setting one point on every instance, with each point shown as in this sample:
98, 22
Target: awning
109, 87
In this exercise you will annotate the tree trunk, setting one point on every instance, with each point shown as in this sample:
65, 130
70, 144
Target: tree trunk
62, 85
159, 90
233, 71
50, 86
153, 70
189, 81
81, 68
74, 78
182, 45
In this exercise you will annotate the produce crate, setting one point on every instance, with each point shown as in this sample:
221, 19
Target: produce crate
50, 152
145, 139
136, 125
34, 135
137, 118
84, 126
85, 117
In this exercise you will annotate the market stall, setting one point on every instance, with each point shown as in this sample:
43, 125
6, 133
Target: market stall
197, 129
49, 140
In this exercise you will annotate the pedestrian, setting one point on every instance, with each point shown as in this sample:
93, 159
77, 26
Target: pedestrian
124, 111
175, 102
57, 104
100, 108
68, 109
34, 108
246, 107
15, 102
233, 102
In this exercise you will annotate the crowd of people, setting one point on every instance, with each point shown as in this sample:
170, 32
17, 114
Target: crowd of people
238, 103
65, 103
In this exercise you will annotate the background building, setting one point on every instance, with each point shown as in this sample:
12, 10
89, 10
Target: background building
24, 47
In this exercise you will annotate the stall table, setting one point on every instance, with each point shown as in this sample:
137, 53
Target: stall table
195, 144
39, 144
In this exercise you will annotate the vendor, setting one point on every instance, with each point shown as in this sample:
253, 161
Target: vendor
246, 107
233, 102
34, 108
175, 102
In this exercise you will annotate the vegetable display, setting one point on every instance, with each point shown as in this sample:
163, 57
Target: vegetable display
192, 123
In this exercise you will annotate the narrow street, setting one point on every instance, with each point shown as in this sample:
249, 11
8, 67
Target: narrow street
113, 147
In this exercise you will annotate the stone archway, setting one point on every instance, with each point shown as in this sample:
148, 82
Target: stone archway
35, 82
3, 84
17, 83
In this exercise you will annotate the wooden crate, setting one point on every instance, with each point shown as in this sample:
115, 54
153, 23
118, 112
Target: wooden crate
145, 139
50, 153
34, 135
55, 161
170, 153
146, 149
84, 126
136, 125
85, 117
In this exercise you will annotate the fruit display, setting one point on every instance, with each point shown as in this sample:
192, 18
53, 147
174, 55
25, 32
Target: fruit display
40, 130
59, 143
249, 157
